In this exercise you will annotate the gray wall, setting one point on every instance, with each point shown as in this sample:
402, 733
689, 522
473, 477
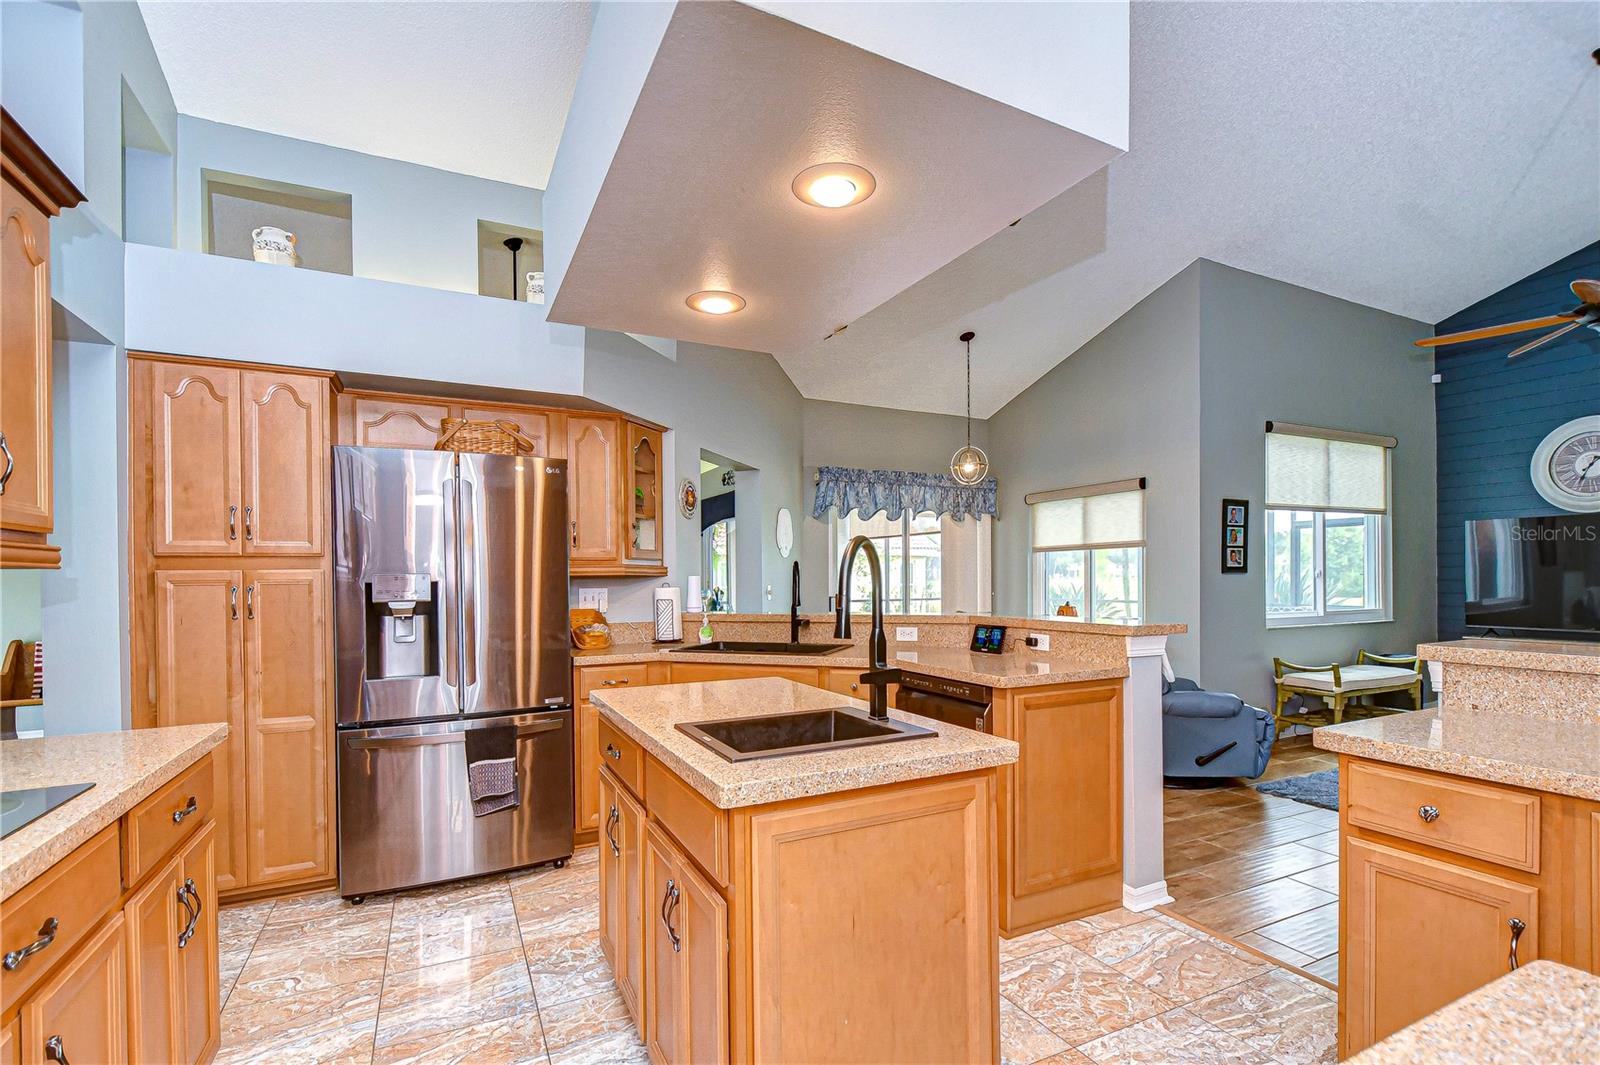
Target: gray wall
1274, 351
1126, 404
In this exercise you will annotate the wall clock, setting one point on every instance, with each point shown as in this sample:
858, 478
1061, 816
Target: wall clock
1566, 465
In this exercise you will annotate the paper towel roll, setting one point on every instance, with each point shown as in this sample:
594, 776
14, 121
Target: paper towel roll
669, 614
694, 599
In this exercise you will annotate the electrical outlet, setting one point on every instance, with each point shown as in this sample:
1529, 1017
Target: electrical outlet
592, 599
905, 634
1041, 641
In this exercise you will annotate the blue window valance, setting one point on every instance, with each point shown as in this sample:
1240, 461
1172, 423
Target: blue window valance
896, 491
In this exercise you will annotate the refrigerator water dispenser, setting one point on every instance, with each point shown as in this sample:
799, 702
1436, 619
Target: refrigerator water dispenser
400, 626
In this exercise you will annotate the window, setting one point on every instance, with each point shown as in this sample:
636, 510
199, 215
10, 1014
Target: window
1088, 550
911, 550
716, 543
1326, 526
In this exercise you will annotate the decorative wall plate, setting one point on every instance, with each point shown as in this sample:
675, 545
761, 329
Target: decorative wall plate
785, 532
1566, 465
688, 497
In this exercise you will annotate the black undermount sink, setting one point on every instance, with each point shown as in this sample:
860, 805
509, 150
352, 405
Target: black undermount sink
739, 739
760, 647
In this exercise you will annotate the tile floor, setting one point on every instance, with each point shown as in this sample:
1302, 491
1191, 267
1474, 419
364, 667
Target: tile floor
507, 969
1257, 869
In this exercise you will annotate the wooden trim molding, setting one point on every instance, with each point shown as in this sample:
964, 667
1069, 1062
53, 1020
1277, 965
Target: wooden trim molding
17, 552
32, 171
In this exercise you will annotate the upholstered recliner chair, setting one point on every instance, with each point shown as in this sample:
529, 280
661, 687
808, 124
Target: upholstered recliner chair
1212, 734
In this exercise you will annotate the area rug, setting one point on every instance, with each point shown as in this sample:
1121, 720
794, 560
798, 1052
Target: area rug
1314, 789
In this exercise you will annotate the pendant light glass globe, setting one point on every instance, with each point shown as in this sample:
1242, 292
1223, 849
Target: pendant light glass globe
969, 465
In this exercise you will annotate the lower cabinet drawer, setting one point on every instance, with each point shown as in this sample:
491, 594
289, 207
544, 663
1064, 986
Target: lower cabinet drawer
49, 916
163, 820
620, 755
699, 827
1486, 821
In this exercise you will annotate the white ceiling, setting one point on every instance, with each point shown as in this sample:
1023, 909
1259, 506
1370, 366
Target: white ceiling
1411, 157
478, 88
735, 103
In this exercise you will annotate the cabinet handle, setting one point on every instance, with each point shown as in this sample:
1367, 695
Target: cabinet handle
1516, 933
615, 682
1430, 814
574, 533
249, 534
55, 1051
233, 517
199, 908
11, 463
189, 915
612, 753
669, 906
616, 849
190, 807
249, 598
47, 936
233, 601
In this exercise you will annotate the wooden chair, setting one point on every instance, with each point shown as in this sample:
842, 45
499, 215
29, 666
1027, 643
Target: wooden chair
1339, 686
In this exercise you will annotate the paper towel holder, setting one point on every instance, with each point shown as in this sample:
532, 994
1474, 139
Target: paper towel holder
668, 614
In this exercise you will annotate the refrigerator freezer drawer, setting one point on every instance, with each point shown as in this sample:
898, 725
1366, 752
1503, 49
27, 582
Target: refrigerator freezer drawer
405, 816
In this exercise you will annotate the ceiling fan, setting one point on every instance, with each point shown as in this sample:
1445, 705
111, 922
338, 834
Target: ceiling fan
1586, 313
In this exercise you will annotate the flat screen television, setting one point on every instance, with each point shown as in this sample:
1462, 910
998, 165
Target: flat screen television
1534, 577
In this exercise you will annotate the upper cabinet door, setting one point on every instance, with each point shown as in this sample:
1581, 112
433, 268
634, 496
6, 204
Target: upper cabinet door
385, 421
194, 458
593, 469
540, 426
24, 363
643, 505
285, 463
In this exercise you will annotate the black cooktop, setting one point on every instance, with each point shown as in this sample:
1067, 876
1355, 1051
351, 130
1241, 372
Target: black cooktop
26, 805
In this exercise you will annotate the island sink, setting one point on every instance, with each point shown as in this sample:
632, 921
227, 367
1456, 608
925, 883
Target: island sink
739, 739
760, 647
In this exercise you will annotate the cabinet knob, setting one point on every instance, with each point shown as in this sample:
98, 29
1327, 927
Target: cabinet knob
55, 1050
1429, 814
190, 807
612, 753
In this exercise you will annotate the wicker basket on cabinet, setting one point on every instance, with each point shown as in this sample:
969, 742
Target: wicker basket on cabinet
482, 437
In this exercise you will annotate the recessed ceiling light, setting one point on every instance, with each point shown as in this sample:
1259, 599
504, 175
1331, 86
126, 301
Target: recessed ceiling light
716, 301
833, 184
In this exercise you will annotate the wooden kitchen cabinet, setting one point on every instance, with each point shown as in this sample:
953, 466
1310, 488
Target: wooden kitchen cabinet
622, 853
594, 489
80, 1012
33, 191
200, 1026
542, 427
642, 490
284, 463
685, 958
377, 419
156, 917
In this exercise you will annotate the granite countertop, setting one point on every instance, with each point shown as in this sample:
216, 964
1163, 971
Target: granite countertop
1542, 1013
1548, 655
1011, 670
649, 716
125, 767
966, 621
1542, 753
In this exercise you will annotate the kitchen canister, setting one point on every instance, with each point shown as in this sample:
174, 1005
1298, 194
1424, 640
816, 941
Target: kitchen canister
669, 614
270, 244
535, 286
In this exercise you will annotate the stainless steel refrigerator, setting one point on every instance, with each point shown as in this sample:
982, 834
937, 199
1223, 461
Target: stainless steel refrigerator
450, 614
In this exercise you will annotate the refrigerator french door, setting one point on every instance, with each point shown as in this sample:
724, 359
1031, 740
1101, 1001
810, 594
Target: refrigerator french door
450, 615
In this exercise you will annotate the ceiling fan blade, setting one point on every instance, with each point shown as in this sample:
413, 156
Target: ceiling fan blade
1587, 291
1496, 330
1569, 327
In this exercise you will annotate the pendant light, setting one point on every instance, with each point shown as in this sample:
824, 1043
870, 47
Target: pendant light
969, 465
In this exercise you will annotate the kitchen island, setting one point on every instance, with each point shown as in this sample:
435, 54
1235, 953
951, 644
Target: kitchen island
857, 887
108, 918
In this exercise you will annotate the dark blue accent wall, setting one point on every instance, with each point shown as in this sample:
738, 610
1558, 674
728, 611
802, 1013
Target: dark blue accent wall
1492, 413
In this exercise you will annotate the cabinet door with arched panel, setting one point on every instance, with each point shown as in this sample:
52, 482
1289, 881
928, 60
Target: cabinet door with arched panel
194, 459
642, 505
593, 475
285, 463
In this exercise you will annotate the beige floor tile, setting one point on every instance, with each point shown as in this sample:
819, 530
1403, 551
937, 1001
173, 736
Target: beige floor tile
620, 1048
1024, 1040
1176, 1037
1075, 996
1083, 928
229, 965
297, 909
1066, 1057
554, 897
514, 1040
238, 926
1286, 1017
1028, 943
329, 1024
567, 966
453, 895
424, 1003
581, 1019
293, 959
451, 934
1314, 932
1174, 964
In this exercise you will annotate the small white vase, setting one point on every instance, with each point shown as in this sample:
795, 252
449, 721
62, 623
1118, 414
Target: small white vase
535, 286
269, 244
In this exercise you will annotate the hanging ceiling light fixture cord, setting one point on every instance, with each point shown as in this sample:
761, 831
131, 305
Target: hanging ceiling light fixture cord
515, 244
969, 465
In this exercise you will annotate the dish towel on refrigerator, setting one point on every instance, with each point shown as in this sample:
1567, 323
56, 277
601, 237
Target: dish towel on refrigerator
492, 768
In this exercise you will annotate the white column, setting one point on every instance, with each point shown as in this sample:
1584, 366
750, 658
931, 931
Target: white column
1144, 881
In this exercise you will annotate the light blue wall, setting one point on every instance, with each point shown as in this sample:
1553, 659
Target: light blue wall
409, 223
41, 77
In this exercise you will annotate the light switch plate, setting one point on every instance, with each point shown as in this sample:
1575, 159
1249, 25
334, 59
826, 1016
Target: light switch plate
1041, 641
592, 599
905, 634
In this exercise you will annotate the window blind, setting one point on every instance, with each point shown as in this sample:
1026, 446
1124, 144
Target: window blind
1097, 515
1327, 469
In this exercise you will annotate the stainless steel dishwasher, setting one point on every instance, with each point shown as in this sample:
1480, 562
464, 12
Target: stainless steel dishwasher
952, 701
